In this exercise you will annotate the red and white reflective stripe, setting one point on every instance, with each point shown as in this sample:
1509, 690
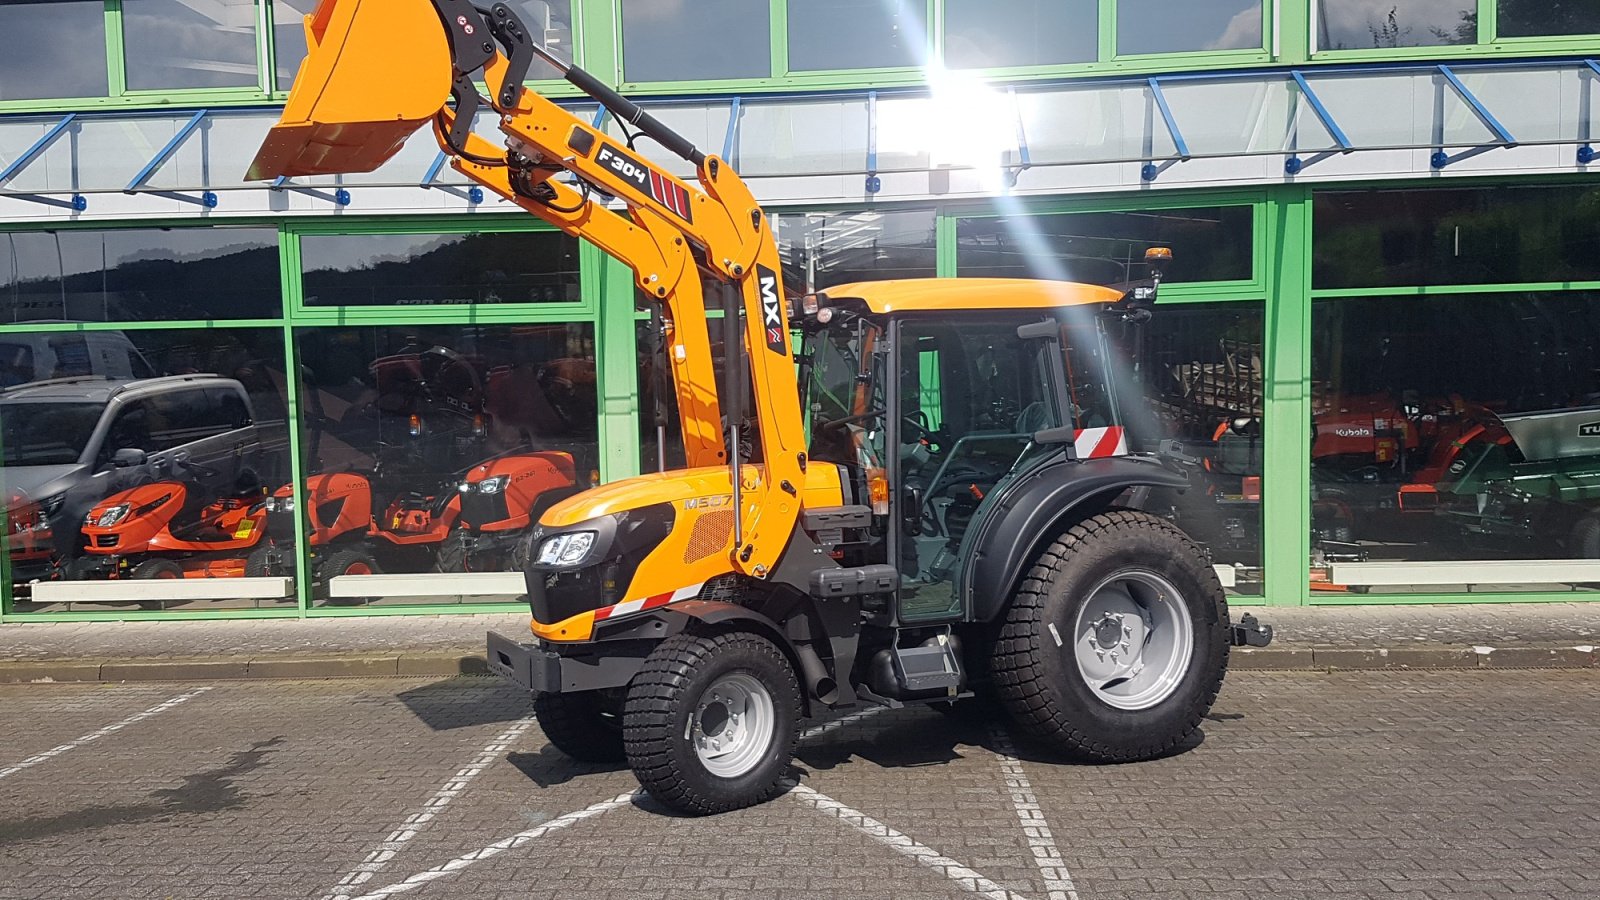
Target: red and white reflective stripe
629, 607
1095, 443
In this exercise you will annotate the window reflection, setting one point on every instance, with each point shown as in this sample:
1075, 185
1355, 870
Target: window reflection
1379, 24
1533, 18
703, 40
1208, 244
52, 49
1005, 33
169, 44
434, 449
289, 38
139, 274
142, 454
1159, 26
1455, 432
850, 34
437, 269
1497, 235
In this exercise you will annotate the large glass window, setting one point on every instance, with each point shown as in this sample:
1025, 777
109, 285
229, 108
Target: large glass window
1453, 435
674, 40
51, 48
436, 269
1208, 244
1005, 33
1380, 24
820, 250
114, 475
289, 38
850, 34
1497, 235
433, 449
1160, 26
1536, 18
174, 44
139, 274
1198, 380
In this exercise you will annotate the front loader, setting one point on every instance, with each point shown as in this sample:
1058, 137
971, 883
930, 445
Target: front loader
941, 510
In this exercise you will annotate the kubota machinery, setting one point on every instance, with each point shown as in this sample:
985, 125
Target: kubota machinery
173, 528
687, 620
500, 501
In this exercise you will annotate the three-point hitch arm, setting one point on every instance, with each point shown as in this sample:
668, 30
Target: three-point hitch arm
377, 70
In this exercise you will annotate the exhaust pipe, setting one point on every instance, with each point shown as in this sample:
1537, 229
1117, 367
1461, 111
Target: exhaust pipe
818, 682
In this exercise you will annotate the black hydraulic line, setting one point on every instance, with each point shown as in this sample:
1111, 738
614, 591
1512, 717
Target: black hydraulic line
733, 396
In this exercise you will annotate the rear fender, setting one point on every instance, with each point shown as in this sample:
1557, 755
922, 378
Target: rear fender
1036, 509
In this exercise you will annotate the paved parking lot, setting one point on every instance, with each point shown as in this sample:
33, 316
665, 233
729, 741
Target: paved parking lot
1395, 785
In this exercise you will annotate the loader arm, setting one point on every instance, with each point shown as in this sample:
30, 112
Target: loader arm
352, 107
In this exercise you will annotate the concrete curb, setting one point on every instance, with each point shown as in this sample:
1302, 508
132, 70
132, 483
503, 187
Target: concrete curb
448, 664
230, 668
1355, 659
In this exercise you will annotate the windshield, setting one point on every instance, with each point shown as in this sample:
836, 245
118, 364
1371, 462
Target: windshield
46, 434
844, 399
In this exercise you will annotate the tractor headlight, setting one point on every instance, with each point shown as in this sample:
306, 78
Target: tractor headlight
495, 485
566, 550
111, 516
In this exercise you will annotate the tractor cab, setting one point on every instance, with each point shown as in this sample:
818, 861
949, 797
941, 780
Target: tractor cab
992, 378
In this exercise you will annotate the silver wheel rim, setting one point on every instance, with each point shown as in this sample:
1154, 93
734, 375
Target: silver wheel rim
1133, 640
733, 725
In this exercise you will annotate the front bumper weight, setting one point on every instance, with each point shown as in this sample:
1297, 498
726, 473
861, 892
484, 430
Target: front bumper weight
1248, 632
532, 667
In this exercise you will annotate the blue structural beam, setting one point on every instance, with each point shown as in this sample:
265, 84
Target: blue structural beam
730, 140
433, 170
1478, 108
1178, 142
165, 153
39, 146
1323, 116
1593, 66
874, 183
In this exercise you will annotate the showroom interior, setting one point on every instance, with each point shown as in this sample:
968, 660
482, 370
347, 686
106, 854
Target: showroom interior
1379, 336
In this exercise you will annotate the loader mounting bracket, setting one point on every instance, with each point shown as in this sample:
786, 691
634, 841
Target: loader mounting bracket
1248, 632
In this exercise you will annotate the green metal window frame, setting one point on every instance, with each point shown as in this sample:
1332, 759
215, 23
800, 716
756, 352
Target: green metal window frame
603, 283
1488, 45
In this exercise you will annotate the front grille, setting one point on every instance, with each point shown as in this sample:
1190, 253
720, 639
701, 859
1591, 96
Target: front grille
106, 540
479, 510
554, 597
281, 524
709, 535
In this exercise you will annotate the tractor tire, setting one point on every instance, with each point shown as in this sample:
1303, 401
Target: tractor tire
155, 568
346, 561
259, 563
1584, 542
1116, 642
696, 693
452, 556
583, 726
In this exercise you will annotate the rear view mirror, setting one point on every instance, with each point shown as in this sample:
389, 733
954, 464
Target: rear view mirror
128, 457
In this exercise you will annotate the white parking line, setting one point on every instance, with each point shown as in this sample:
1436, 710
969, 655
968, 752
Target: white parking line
1046, 855
964, 877
99, 733
397, 839
520, 839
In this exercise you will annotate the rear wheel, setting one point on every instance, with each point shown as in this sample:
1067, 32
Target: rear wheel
711, 722
155, 568
586, 726
1116, 643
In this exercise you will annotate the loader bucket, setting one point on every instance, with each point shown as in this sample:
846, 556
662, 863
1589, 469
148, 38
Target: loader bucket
375, 71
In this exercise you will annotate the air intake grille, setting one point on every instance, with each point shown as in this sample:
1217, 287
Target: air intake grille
710, 534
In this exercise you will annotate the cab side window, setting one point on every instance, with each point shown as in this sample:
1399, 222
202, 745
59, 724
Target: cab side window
129, 430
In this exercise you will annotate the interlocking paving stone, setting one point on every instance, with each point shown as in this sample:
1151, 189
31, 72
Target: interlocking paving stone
1391, 784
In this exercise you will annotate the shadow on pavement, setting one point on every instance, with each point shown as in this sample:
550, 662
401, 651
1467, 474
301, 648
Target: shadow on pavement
549, 767
464, 701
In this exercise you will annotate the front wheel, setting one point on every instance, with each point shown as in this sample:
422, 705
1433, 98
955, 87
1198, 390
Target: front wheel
584, 726
710, 723
1116, 642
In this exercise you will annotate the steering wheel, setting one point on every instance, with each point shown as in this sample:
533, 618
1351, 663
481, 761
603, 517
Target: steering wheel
917, 430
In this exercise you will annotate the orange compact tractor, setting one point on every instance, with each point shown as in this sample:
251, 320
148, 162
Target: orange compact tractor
924, 515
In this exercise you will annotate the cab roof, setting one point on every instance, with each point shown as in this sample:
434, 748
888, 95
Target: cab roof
915, 294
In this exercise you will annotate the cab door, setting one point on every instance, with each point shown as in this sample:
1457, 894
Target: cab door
972, 401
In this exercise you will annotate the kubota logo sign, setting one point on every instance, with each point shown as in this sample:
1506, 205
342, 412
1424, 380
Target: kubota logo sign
1592, 429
